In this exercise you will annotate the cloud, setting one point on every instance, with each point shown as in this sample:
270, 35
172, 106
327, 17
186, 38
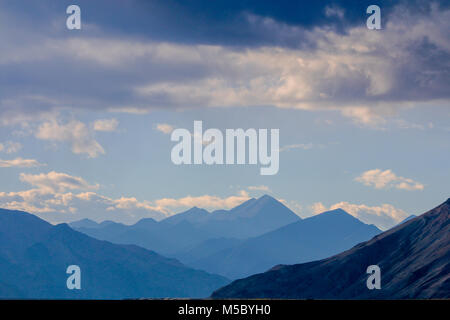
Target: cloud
56, 181
366, 75
60, 197
384, 217
387, 179
52, 197
67, 206
10, 147
19, 163
205, 201
74, 132
106, 125
259, 188
164, 128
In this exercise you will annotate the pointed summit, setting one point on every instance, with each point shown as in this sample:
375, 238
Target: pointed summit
193, 215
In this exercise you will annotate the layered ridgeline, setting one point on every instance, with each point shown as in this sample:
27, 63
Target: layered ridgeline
184, 231
34, 256
414, 259
248, 239
306, 240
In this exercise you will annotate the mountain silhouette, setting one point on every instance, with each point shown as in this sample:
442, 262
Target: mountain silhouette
183, 231
251, 218
233, 243
34, 256
414, 259
310, 239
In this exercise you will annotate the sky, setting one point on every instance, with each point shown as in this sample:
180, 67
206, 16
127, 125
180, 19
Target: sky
86, 115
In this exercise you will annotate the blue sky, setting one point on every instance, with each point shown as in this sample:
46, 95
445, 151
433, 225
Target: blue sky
86, 115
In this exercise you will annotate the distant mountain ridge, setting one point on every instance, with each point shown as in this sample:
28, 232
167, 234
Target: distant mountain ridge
309, 239
34, 256
414, 259
187, 229
247, 239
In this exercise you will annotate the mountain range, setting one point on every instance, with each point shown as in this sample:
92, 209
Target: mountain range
247, 239
309, 239
34, 256
414, 261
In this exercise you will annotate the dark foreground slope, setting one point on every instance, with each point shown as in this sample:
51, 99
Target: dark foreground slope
34, 256
414, 259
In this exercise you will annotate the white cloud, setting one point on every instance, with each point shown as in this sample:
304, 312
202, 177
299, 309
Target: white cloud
19, 163
53, 198
10, 147
106, 125
164, 128
384, 216
74, 132
56, 181
205, 201
387, 179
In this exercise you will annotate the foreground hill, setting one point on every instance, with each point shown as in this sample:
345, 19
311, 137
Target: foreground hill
414, 258
34, 256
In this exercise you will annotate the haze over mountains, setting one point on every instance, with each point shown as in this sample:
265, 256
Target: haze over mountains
247, 239
306, 240
414, 258
190, 228
34, 256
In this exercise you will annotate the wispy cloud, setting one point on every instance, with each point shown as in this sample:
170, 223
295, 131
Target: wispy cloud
74, 132
387, 179
60, 196
106, 125
10, 147
204, 201
56, 181
165, 128
19, 163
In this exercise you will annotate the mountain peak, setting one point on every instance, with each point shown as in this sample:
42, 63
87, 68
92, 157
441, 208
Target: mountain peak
335, 212
266, 197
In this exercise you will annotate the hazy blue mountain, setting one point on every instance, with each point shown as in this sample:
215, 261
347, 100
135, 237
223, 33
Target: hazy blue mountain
188, 229
84, 223
305, 240
152, 235
34, 256
252, 218
205, 249
414, 259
